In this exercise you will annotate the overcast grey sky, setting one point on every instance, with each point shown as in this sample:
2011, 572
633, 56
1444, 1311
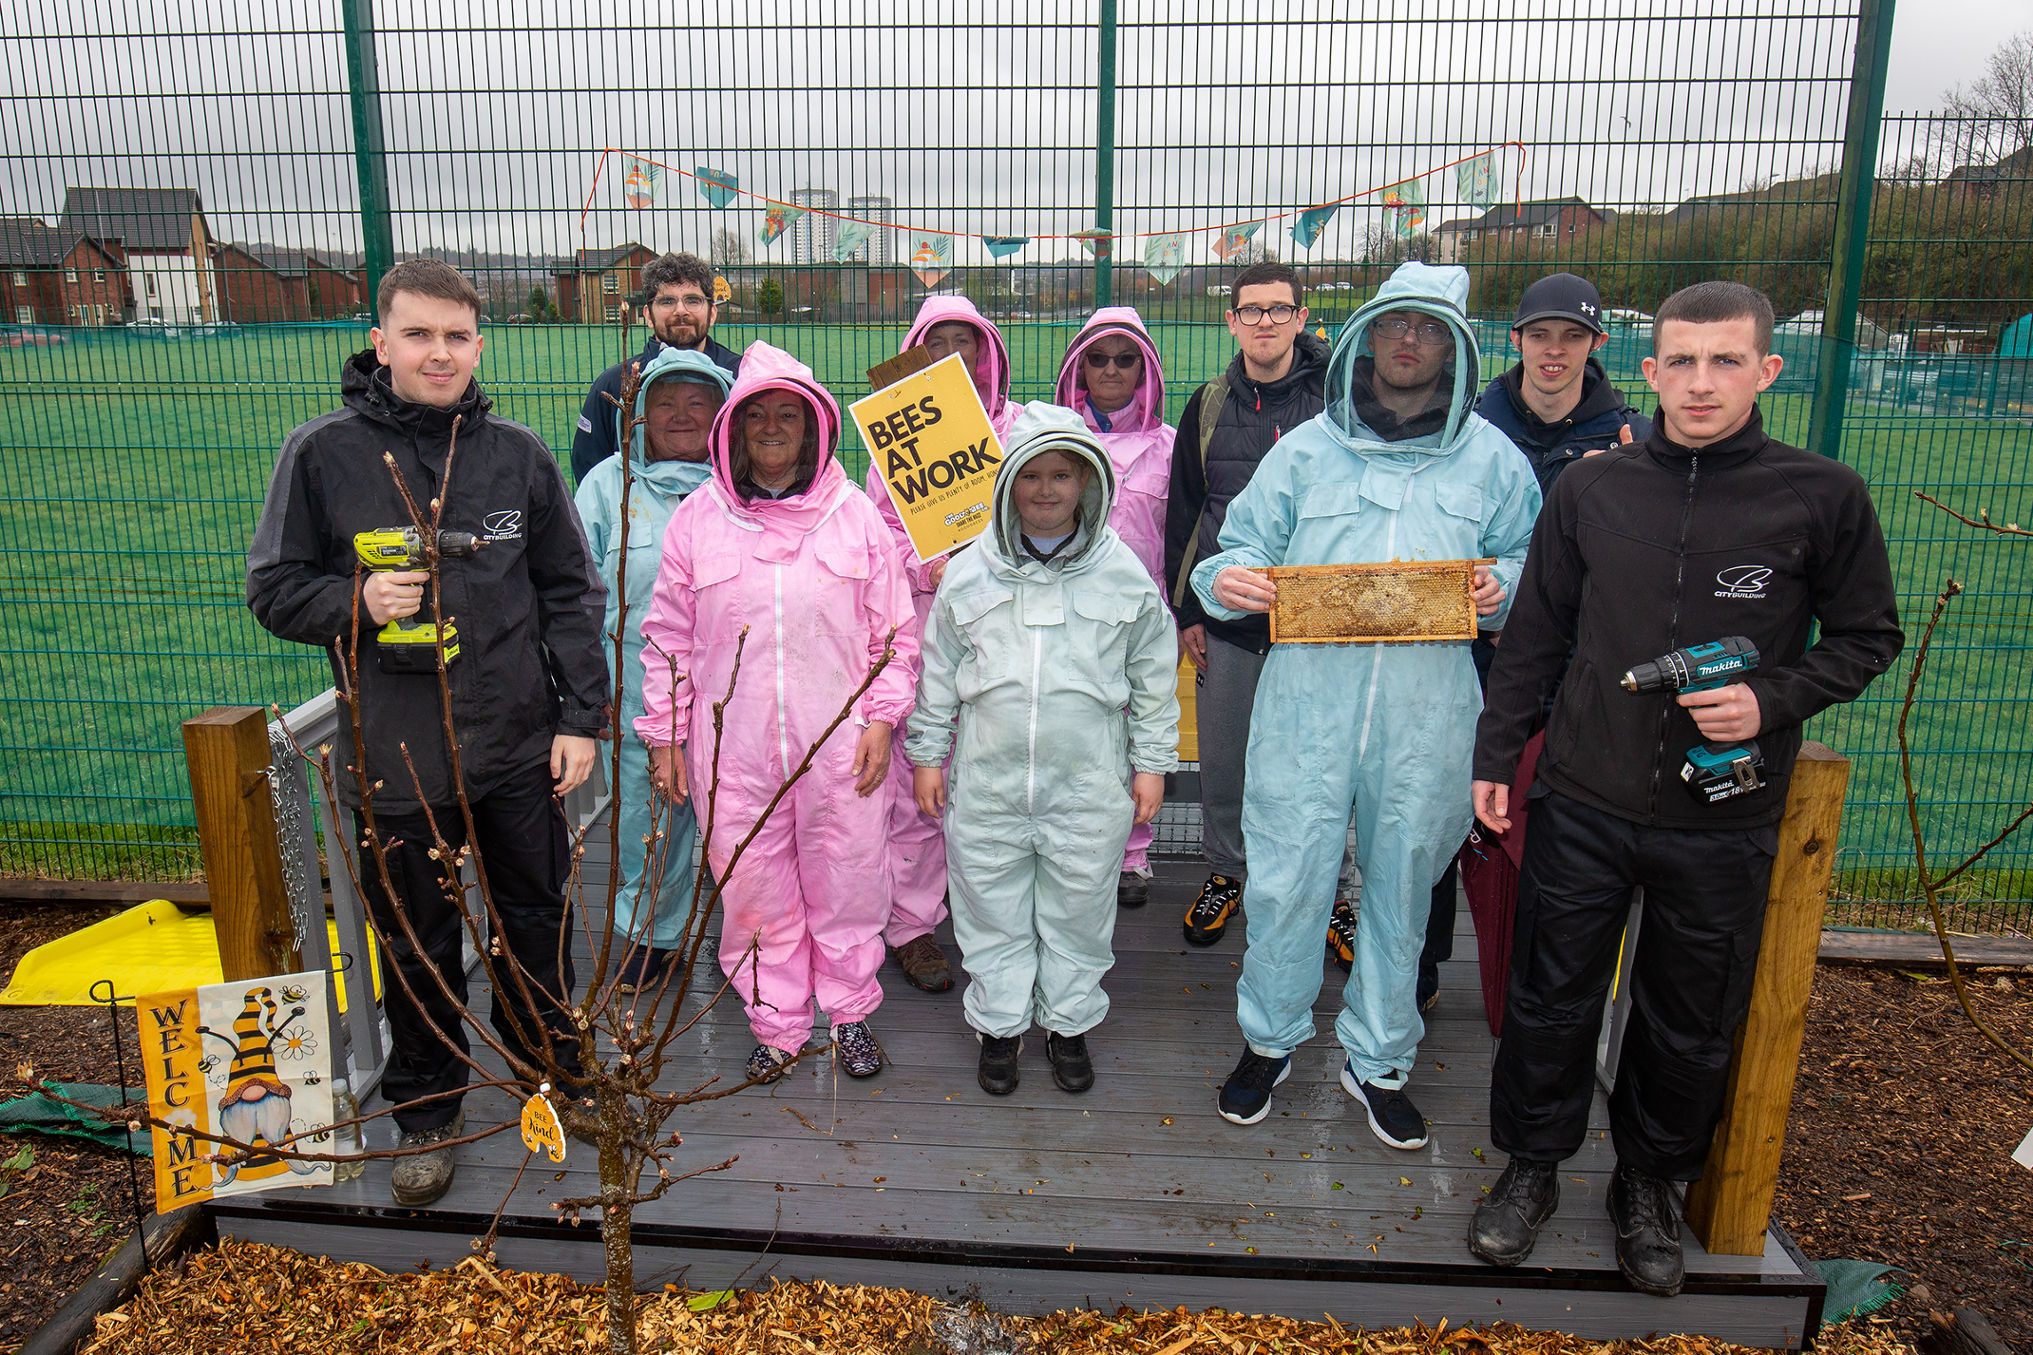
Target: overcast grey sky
973, 115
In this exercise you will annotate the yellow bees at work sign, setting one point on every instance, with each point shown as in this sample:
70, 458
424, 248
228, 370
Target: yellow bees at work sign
932, 445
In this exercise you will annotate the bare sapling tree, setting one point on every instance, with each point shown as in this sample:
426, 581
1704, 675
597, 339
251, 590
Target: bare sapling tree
612, 1094
1931, 883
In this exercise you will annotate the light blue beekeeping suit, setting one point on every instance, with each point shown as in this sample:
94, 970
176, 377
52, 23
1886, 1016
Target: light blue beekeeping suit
1060, 677
658, 488
1388, 727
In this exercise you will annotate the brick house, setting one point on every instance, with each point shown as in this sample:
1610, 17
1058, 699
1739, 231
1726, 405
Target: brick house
163, 237
48, 277
1542, 221
593, 285
259, 284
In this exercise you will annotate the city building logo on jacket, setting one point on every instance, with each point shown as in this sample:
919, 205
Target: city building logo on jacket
1743, 581
506, 525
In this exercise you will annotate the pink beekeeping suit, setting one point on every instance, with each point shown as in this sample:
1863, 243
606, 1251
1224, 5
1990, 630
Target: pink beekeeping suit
1139, 444
917, 846
814, 578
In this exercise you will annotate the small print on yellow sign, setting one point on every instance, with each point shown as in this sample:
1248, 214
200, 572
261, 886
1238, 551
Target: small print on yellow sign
935, 450
541, 1131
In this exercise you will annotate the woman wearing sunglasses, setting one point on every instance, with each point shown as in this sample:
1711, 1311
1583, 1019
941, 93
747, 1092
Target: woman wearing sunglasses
1112, 378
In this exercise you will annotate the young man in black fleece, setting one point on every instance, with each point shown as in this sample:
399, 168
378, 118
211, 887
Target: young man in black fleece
1707, 529
528, 688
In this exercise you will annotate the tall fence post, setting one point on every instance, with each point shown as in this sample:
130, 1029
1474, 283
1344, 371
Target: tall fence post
1852, 224
1730, 1207
1104, 159
228, 752
363, 82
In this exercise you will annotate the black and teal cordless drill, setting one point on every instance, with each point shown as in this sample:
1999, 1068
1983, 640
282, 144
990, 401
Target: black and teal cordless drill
1715, 772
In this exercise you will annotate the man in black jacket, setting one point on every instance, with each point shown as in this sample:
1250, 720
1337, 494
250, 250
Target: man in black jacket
528, 687
1707, 529
680, 311
1273, 385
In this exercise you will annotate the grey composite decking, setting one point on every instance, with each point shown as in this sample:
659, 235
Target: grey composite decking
1134, 1193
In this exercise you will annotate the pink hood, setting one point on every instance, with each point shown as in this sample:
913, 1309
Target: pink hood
1146, 409
782, 520
993, 380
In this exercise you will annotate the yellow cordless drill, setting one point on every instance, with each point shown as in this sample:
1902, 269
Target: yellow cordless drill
409, 644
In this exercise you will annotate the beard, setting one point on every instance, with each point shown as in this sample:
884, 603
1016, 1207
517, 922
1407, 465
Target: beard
264, 1120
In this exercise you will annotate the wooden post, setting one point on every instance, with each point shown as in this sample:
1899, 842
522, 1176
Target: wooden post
228, 754
1730, 1207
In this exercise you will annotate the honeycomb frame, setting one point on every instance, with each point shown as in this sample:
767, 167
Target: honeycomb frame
1402, 602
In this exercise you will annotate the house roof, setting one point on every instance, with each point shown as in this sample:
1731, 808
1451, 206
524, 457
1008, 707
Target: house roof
140, 218
596, 260
1539, 211
31, 242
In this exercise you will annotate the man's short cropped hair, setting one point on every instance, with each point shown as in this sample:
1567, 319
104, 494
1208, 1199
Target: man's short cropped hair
1262, 274
1711, 303
668, 270
425, 277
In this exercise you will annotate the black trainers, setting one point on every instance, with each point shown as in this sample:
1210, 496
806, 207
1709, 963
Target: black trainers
1648, 1232
1428, 992
1132, 890
1208, 918
1246, 1096
1507, 1222
1341, 935
1072, 1069
1392, 1116
641, 967
420, 1178
854, 1045
1000, 1070
766, 1063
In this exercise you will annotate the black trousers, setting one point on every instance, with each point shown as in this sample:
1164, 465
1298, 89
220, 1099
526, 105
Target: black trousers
1690, 983
520, 833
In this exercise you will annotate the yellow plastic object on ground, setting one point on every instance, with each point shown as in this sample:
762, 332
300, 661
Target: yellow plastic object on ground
1189, 726
153, 947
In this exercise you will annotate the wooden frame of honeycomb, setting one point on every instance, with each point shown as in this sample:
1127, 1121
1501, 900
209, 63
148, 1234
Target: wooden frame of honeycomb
1397, 603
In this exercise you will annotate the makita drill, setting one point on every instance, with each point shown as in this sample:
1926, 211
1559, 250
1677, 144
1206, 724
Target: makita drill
409, 644
1715, 772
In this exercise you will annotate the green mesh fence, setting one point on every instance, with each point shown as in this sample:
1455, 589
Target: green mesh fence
194, 217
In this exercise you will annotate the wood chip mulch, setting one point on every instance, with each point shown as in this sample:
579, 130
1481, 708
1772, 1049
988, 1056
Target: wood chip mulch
258, 1300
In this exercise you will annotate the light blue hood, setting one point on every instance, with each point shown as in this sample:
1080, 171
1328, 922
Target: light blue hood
1041, 428
1441, 292
674, 479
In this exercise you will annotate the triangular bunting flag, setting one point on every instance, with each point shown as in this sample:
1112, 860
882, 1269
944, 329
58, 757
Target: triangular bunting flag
1164, 256
1407, 204
1235, 237
1099, 243
716, 186
776, 220
642, 182
1477, 180
848, 238
1002, 246
931, 257
1307, 229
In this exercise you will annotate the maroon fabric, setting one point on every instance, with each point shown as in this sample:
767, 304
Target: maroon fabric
1489, 877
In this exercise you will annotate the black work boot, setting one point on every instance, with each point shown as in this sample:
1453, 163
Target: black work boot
1507, 1222
1648, 1232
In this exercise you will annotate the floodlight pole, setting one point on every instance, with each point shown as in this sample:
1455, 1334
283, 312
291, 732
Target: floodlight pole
1852, 225
1104, 159
370, 161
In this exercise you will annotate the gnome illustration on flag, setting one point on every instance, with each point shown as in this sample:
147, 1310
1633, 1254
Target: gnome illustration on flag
255, 1108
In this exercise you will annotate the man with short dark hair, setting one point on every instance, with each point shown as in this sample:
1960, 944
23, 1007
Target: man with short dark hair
1709, 529
679, 308
1273, 385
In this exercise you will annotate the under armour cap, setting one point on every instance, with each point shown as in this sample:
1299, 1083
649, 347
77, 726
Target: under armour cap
1561, 296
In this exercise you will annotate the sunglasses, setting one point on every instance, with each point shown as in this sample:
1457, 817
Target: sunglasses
1122, 360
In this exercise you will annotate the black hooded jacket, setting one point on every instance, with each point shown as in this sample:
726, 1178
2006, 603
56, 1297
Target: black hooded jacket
1593, 425
527, 605
1253, 417
1642, 551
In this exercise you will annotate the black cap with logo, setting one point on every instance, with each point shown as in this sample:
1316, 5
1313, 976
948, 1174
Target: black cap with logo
1561, 296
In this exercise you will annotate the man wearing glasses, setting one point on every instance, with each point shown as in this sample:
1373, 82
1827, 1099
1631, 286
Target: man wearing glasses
680, 314
1397, 467
1271, 387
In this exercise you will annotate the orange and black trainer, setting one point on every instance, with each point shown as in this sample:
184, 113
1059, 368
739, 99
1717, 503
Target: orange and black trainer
1341, 935
1208, 916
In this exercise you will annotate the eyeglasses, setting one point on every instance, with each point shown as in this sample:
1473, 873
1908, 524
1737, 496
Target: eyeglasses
1123, 360
1428, 333
1254, 315
693, 302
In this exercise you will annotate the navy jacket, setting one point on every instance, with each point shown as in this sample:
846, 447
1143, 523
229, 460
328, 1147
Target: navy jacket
1593, 425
